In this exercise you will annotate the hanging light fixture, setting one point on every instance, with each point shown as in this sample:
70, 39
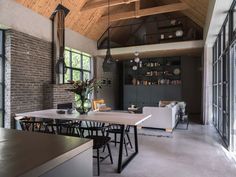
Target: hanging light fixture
109, 63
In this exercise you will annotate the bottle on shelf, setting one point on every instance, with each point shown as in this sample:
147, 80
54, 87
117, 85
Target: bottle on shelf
140, 64
134, 81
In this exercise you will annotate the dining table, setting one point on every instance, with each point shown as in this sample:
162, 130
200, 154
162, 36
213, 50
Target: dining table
113, 117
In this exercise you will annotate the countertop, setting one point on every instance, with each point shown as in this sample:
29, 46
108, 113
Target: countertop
25, 153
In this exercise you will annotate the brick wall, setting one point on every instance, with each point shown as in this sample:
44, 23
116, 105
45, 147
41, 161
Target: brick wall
28, 76
55, 94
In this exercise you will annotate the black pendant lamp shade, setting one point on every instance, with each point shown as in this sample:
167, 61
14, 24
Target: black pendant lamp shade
109, 63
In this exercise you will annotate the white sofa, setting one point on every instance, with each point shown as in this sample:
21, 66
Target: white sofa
162, 117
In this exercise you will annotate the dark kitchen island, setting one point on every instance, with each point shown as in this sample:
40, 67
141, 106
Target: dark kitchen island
29, 154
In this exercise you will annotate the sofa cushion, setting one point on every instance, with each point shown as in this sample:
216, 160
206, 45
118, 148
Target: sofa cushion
165, 103
169, 105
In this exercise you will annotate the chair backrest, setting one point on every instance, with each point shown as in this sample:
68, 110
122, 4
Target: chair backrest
29, 124
96, 102
92, 128
65, 106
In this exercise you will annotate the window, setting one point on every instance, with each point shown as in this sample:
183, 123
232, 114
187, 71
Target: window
78, 65
222, 40
234, 18
227, 32
2, 61
222, 52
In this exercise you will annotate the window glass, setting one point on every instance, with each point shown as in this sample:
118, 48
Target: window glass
227, 33
1, 96
215, 52
222, 72
76, 75
222, 41
86, 76
234, 18
1, 66
219, 45
86, 62
68, 75
76, 60
1, 36
67, 58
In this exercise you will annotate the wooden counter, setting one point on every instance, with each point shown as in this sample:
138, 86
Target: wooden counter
30, 154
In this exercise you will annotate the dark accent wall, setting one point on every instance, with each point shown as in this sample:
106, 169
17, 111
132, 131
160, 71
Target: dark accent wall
192, 83
109, 91
29, 76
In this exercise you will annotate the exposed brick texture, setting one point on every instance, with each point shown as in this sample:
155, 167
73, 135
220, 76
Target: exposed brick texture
55, 94
28, 76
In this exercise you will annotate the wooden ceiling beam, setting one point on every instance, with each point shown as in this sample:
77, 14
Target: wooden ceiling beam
104, 3
137, 8
146, 12
197, 10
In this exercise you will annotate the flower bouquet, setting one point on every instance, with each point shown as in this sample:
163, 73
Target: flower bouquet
83, 90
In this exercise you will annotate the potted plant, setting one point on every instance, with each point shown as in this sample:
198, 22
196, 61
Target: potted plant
83, 89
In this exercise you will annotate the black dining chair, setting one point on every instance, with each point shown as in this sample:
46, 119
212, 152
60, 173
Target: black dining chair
65, 106
116, 130
64, 126
30, 124
96, 132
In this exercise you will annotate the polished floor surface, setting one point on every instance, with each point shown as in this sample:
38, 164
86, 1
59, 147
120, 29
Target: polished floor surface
196, 152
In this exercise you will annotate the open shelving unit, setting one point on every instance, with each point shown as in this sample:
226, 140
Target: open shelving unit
153, 81
155, 71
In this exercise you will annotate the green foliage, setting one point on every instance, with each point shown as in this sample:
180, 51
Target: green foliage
86, 62
84, 88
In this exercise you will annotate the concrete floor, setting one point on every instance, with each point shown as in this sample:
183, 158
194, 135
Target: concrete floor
196, 152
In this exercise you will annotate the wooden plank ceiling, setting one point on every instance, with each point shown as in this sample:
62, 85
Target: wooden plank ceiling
89, 17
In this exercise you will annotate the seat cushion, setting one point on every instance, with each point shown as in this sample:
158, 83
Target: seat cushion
98, 141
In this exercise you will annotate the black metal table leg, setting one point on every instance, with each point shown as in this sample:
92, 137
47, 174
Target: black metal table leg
122, 165
122, 127
136, 139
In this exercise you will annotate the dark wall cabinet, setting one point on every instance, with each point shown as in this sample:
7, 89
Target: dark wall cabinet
150, 95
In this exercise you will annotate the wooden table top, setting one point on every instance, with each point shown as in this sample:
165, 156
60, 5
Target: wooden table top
33, 153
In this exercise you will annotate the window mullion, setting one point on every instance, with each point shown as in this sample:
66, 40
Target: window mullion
82, 67
71, 71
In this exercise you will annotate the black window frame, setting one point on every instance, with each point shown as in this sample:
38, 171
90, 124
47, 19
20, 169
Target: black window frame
2, 84
81, 69
231, 14
221, 76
